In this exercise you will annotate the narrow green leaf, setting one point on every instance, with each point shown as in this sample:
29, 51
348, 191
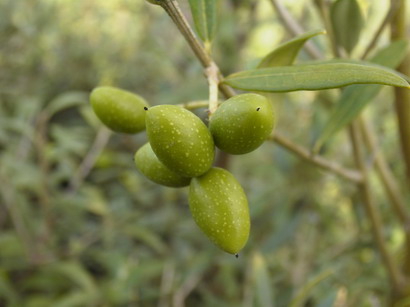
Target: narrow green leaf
316, 76
204, 15
354, 99
263, 283
286, 53
347, 22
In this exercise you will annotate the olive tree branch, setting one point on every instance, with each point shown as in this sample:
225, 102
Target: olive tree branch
100, 141
385, 174
372, 212
307, 155
389, 16
172, 9
294, 28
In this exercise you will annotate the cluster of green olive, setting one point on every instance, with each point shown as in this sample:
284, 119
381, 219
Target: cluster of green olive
181, 151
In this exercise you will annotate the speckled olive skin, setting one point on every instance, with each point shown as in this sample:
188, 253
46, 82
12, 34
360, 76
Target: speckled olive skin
148, 164
119, 110
242, 123
220, 208
180, 140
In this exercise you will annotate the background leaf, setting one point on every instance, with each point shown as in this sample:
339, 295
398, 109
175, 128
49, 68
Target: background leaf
286, 53
347, 22
204, 15
319, 76
263, 283
355, 98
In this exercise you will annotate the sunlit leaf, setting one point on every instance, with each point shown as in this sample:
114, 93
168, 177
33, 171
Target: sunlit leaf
204, 15
347, 22
355, 98
313, 76
286, 53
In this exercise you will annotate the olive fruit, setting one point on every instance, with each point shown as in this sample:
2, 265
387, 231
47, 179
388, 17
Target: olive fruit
148, 164
180, 140
119, 110
242, 123
220, 208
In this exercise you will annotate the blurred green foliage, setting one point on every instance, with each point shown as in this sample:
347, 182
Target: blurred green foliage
78, 233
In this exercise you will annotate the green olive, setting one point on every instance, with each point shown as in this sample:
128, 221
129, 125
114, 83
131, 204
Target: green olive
220, 208
242, 123
180, 140
148, 164
119, 110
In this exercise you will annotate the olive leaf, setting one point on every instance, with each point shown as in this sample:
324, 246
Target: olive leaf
286, 53
204, 15
347, 22
314, 76
356, 97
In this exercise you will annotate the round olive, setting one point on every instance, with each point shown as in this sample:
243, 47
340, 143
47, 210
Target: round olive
242, 123
180, 140
220, 208
119, 110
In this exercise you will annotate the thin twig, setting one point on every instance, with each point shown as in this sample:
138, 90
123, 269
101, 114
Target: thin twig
388, 180
389, 16
186, 288
173, 10
324, 13
402, 96
100, 141
294, 28
306, 155
372, 213
167, 281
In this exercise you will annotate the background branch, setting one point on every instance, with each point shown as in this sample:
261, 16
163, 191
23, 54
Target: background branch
306, 155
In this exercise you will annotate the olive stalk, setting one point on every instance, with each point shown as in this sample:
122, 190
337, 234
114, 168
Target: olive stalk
212, 76
172, 9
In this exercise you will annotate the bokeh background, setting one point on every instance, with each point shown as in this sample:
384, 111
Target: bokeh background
79, 226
